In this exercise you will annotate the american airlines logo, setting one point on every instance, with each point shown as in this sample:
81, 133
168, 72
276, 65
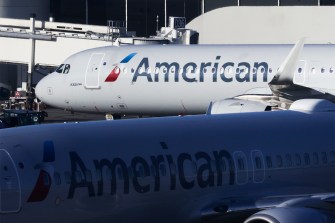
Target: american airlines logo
114, 74
192, 72
187, 171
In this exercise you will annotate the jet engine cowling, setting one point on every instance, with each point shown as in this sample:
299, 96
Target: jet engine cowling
234, 105
289, 215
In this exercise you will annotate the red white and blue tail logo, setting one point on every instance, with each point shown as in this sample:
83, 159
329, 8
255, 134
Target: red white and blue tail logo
114, 74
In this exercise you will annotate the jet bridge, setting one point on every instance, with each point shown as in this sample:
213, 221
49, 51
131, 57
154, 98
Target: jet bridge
47, 44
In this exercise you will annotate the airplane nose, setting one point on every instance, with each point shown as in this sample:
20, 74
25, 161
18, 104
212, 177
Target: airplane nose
42, 90
39, 89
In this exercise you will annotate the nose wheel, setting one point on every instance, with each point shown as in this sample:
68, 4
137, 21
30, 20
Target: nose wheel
113, 117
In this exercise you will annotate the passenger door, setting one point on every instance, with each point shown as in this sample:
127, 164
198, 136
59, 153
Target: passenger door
10, 191
93, 70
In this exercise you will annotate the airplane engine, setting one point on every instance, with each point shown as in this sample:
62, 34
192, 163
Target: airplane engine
236, 106
289, 215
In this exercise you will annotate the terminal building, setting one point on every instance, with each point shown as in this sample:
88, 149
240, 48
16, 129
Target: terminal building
63, 27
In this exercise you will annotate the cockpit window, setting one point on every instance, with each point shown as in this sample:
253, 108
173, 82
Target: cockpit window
60, 69
66, 69
63, 69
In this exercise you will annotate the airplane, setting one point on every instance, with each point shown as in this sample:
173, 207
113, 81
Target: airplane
257, 167
184, 79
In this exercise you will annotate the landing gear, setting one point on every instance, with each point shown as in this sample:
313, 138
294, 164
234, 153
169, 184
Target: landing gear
113, 117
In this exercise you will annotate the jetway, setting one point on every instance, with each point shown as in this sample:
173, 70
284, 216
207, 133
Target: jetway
43, 44
53, 41
39, 44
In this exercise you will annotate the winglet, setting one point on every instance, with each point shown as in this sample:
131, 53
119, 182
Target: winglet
285, 72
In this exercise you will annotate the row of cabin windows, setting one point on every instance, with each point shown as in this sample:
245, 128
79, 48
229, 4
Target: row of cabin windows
65, 68
227, 70
190, 168
298, 160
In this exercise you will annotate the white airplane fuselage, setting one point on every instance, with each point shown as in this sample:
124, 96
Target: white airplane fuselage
175, 79
176, 169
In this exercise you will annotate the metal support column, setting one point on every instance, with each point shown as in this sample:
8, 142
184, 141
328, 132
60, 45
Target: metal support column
31, 63
202, 6
126, 1
164, 13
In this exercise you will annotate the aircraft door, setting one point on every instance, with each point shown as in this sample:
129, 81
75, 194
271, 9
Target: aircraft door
258, 166
93, 70
10, 191
300, 73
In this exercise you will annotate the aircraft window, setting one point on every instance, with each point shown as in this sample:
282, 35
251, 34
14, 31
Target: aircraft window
313, 70
88, 176
21, 165
268, 162
204, 70
221, 70
297, 159
153, 171
299, 70
331, 70
324, 158
142, 70
67, 177
322, 70
46, 180
222, 166
288, 159
79, 177
194, 168
108, 173
57, 178
213, 70
332, 156
213, 166
254, 70
104, 63
132, 70
148, 70
279, 161
270, 70
5, 168
188, 70
230, 70
262, 70
130, 172
60, 69
258, 163
307, 159
125, 70
315, 158
66, 69
173, 168
180, 70
231, 164
119, 173
162, 169
238, 70
99, 175
240, 163
140, 171
164, 70
156, 70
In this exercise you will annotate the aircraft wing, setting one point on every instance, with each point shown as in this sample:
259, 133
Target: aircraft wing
285, 84
277, 209
286, 87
